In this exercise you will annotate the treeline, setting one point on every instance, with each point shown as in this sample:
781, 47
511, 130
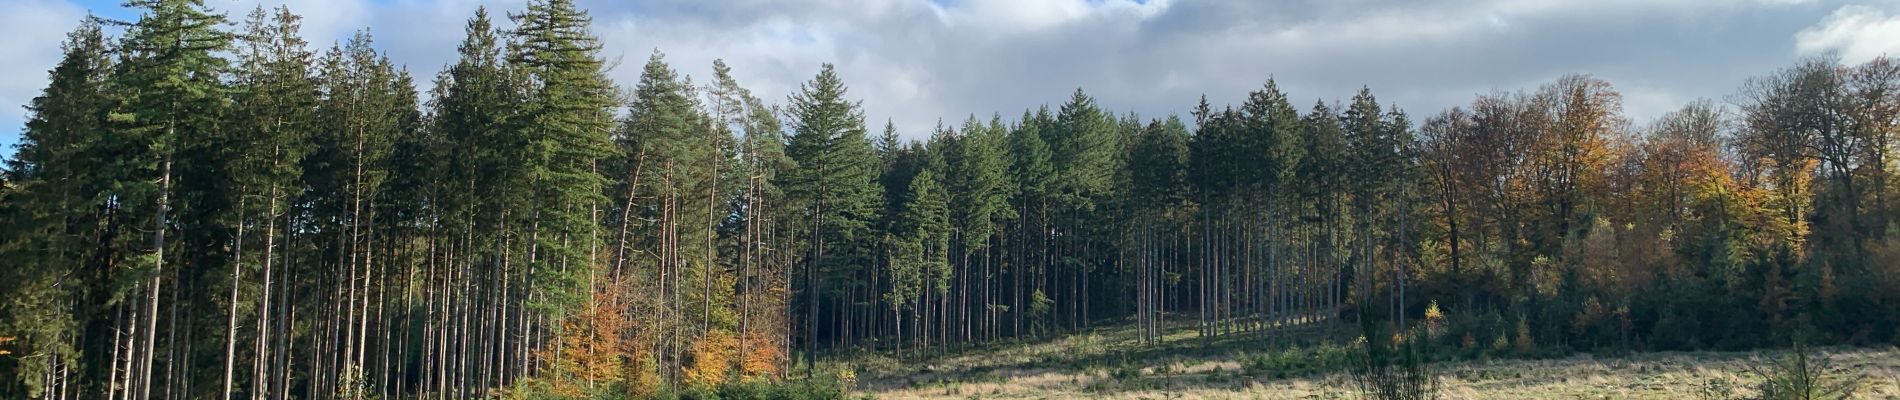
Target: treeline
198, 210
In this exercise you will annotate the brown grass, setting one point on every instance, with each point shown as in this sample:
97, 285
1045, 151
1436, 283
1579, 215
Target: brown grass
1100, 365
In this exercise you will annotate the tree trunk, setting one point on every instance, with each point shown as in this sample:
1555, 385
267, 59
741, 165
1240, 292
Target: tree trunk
237, 274
260, 382
158, 272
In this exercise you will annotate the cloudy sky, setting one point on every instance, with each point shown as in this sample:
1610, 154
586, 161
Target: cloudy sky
915, 61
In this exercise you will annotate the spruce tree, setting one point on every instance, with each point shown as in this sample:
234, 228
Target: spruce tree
921, 251
171, 102
977, 171
834, 188
1033, 173
565, 126
47, 209
1083, 149
275, 101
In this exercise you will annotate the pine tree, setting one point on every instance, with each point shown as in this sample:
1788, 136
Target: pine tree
976, 171
834, 188
760, 159
566, 123
276, 99
673, 145
168, 84
47, 208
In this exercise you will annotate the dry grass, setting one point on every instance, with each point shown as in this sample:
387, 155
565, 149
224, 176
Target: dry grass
1103, 364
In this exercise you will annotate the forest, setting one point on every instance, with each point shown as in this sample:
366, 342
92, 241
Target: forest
203, 207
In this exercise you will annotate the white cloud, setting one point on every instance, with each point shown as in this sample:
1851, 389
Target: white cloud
915, 61
1857, 32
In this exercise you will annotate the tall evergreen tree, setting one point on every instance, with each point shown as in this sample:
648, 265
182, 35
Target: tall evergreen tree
834, 188
977, 172
566, 124
275, 100
171, 101
56, 299
1084, 149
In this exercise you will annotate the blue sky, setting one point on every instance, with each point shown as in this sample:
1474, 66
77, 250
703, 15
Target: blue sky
915, 61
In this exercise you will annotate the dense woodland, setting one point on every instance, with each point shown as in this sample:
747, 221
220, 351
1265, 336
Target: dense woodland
203, 208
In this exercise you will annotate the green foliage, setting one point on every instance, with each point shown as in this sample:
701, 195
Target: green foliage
567, 124
923, 241
1082, 149
819, 387
46, 208
976, 168
1297, 361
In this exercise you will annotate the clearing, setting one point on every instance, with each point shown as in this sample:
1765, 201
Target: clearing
1111, 363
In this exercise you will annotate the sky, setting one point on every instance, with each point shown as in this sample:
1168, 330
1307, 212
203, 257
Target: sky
914, 62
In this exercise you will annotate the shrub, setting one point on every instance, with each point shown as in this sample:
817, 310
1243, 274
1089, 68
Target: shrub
1393, 370
1525, 345
1126, 371
1295, 361
1434, 320
1500, 344
761, 356
712, 357
1803, 373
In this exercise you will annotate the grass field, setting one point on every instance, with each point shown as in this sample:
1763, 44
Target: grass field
1110, 363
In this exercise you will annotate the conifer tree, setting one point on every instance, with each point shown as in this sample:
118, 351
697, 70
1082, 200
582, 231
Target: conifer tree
47, 209
275, 100
565, 125
834, 188
673, 145
171, 102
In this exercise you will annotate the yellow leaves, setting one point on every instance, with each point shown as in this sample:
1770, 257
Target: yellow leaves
1434, 320
712, 358
5, 340
848, 378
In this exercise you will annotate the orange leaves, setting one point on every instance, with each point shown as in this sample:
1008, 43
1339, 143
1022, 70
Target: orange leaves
762, 356
591, 353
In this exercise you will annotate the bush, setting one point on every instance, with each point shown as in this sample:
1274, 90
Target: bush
1524, 343
1293, 361
1803, 373
1394, 368
1126, 371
